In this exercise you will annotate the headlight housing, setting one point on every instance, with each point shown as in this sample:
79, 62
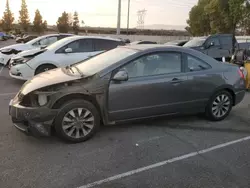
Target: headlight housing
22, 60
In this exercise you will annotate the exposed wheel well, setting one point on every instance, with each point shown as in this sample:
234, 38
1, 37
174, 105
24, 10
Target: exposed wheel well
76, 96
44, 65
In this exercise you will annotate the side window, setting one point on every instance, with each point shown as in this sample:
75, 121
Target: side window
155, 64
86, 45
78, 46
226, 42
214, 40
194, 64
103, 45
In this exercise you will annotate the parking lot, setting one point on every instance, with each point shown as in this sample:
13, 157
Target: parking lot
170, 152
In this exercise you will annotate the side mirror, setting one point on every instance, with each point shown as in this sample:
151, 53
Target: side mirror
68, 50
121, 75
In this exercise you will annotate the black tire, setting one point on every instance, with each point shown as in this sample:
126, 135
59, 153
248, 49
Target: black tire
67, 107
44, 68
209, 109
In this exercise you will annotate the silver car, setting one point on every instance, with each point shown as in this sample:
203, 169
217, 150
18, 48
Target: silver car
124, 84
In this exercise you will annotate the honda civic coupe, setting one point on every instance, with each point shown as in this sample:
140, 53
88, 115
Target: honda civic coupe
7, 52
124, 84
60, 54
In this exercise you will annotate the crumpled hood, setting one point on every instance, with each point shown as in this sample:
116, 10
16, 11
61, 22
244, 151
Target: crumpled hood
52, 77
29, 53
18, 47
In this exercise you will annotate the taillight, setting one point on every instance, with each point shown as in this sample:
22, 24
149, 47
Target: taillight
241, 73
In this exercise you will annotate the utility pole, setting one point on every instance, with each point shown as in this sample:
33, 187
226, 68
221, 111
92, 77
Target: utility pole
128, 16
118, 30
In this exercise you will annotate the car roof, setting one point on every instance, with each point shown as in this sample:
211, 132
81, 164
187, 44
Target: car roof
92, 37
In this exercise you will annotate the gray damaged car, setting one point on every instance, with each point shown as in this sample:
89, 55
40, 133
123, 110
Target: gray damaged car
124, 84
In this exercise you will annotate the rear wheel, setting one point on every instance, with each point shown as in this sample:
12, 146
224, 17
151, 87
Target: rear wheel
219, 106
44, 68
77, 121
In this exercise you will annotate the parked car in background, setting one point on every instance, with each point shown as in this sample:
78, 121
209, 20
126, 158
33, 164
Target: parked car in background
26, 38
9, 51
216, 46
124, 84
142, 42
60, 54
3, 36
177, 42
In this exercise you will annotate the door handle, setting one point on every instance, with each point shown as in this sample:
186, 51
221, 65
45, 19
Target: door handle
176, 80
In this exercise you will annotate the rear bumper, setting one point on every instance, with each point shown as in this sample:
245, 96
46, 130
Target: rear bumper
32, 121
239, 96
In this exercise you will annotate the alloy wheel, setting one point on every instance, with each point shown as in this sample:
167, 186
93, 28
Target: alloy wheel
221, 106
78, 123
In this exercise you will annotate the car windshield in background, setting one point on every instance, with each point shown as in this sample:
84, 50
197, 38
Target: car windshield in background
34, 40
195, 42
104, 60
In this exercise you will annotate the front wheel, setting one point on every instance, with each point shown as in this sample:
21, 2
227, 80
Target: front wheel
44, 68
219, 106
77, 121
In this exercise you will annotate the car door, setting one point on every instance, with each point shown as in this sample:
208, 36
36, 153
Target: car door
216, 51
200, 82
156, 86
79, 50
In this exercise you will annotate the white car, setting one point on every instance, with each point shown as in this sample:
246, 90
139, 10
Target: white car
62, 53
8, 52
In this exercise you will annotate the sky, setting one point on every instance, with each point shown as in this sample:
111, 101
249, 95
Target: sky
103, 13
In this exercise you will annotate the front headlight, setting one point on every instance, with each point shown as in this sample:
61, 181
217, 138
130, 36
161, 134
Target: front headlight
22, 60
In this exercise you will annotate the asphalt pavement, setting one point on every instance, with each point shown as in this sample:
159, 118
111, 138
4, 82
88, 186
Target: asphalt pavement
170, 152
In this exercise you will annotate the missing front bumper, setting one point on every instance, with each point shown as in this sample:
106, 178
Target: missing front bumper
32, 121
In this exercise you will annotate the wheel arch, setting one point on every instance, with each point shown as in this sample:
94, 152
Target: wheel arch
76, 96
227, 88
45, 64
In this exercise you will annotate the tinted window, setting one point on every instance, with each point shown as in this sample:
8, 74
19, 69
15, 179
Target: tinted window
78, 46
155, 64
102, 44
194, 64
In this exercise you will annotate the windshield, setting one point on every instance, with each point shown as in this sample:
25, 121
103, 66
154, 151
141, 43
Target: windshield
195, 42
34, 40
58, 43
104, 60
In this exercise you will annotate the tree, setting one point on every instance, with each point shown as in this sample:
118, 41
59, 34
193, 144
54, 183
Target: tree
45, 25
63, 23
221, 16
38, 22
245, 22
24, 16
8, 18
76, 25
